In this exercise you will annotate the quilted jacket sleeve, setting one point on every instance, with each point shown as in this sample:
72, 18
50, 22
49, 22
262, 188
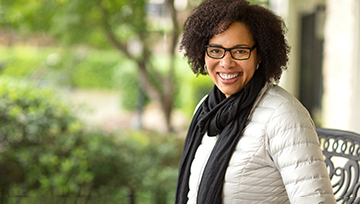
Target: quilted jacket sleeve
294, 146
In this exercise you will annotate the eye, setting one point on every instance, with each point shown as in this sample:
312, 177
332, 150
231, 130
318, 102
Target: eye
241, 51
215, 50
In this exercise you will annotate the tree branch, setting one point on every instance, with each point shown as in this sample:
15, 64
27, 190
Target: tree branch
144, 75
111, 35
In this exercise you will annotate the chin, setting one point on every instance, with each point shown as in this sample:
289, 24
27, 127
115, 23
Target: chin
228, 93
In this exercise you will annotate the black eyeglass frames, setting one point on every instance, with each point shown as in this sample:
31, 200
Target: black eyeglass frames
237, 53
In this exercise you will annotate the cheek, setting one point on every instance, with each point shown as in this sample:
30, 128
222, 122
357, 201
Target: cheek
209, 60
250, 65
209, 63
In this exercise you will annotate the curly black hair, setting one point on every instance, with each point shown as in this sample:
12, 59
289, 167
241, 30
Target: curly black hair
213, 17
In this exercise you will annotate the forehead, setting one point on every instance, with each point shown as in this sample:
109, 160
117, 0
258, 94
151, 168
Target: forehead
237, 34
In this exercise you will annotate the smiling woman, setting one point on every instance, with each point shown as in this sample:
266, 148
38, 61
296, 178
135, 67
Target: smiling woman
231, 74
250, 141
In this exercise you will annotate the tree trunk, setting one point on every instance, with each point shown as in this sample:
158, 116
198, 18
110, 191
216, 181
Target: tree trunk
164, 94
168, 97
160, 196
167, 106
131, 196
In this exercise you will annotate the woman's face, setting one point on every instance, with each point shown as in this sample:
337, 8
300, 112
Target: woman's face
228, 74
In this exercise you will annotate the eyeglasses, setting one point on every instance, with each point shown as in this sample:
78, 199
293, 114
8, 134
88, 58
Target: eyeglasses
237, 53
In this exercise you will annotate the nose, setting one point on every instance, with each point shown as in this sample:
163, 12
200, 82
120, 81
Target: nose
227, 61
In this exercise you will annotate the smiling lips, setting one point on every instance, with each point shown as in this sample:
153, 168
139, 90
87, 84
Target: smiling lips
229, 78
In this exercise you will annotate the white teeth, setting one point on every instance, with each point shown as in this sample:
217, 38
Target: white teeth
227, 76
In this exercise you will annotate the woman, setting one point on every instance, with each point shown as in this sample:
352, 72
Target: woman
249, 141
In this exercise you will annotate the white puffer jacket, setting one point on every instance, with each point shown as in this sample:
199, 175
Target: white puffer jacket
277, 160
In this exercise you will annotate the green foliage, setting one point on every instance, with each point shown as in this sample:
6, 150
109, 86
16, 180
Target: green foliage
36, 130
192, 88
96, 70
48, 158
22, 61
27, 16
264, 3
199, 88
75, 21
126, 75
100, 69
78, 68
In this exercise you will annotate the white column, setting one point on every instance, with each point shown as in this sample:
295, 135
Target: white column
338, 70
355, 98
289, 11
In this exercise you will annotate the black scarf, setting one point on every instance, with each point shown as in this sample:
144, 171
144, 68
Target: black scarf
216, 115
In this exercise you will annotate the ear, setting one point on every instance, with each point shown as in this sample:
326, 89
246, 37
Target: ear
259, 60
258, 57
258, 63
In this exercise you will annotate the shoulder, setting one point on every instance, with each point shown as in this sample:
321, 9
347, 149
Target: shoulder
276, 97
288, 110
282, 105
287, 121
282, 113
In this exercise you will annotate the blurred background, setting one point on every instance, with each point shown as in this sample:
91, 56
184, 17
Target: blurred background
95, 97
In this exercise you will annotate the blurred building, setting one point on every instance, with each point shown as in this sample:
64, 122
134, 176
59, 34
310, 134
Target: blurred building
324, 68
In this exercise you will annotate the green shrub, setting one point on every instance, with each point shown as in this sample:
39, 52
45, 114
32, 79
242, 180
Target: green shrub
193, 89
37, 135
48, 158
126, 78
22, 61
76, 67
96, 70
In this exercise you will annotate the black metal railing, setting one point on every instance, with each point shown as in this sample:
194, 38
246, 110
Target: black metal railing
342, 155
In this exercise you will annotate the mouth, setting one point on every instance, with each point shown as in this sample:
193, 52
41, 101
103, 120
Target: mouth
228, 76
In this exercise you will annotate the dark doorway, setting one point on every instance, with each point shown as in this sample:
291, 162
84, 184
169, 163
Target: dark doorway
311, 80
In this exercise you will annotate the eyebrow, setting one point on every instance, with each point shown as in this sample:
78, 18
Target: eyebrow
238, 45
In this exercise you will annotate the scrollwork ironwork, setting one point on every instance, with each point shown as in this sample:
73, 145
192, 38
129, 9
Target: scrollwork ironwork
342, 155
